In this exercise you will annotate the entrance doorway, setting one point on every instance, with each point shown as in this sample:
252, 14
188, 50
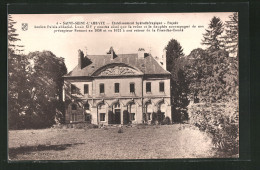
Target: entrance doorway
117, 116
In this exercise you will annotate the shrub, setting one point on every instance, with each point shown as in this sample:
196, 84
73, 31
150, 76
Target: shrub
179, 115
166, 121
79, 126
120, 130
92, 126
141, 126
221, 121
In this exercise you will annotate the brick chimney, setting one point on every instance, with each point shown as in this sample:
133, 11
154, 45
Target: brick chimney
141, 53
112, 53
80, 59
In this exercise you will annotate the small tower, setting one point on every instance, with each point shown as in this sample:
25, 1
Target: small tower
141, 53
164, 59
80, 59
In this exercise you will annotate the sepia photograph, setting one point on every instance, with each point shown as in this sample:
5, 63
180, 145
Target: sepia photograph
123, 86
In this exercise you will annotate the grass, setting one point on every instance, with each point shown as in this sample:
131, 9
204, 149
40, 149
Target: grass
139, 142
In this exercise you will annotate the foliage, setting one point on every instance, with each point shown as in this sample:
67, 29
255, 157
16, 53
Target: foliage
17, 78
180, 94
173, 52
213, 88
212, 37
158, 118
214, 85
221, 121
39, 91
213, 76
231, 37
120, 130
13, 37
34, 85
166, 121
179, 81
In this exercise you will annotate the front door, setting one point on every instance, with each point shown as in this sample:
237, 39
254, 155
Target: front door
117, 116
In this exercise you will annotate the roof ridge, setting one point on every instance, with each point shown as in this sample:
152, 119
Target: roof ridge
145, 65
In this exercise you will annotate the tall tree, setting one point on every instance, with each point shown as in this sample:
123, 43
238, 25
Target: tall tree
13, 36
231, 37
18, 91
179, 90
173, 51
46, 89
180, 94
212, 37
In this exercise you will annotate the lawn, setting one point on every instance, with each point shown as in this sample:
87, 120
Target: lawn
138, 142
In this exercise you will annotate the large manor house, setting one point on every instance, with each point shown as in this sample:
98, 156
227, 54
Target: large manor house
111, 88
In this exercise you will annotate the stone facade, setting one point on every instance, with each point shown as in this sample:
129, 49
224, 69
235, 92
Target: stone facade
113, 91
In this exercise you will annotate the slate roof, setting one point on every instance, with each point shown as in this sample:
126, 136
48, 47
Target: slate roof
147, 65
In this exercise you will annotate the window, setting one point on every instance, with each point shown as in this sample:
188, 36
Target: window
73, 89
102, 88
85, 88
161, 86
132, 87
73, 107
116, 87
148, 87
149, 116
102, 116
132, 116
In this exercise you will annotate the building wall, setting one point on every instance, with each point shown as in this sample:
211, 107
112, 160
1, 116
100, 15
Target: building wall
124, 86
124, 97
155, 92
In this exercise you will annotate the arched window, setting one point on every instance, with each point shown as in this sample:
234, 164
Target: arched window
162, 108
149, 111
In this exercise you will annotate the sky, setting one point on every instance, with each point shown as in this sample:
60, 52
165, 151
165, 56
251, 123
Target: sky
66, 45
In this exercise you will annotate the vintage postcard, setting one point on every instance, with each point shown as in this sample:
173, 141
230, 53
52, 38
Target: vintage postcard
123, 86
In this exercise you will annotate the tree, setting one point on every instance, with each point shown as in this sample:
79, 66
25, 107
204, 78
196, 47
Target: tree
46, 71
178, 80
209, 75
173, 51
231, 37
13, 36
18, 91
212, 37
214, 80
